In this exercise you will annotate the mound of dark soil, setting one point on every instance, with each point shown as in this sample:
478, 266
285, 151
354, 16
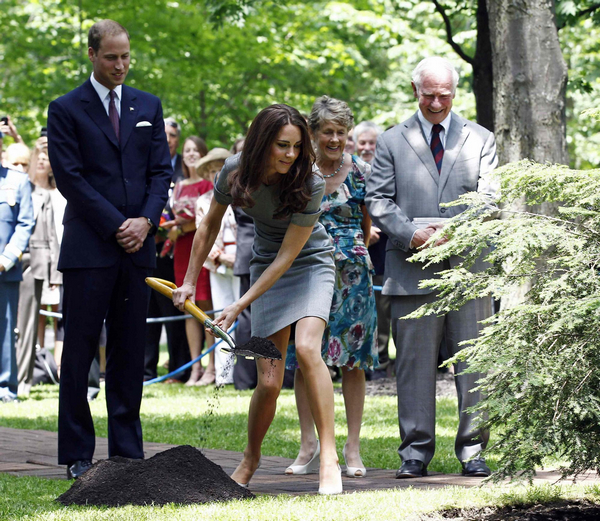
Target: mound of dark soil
563, 511
179, 475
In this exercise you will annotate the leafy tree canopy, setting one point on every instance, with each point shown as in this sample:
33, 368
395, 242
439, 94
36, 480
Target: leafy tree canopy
215, 63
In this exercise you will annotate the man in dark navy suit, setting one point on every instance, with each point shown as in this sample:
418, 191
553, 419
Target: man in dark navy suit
110, 157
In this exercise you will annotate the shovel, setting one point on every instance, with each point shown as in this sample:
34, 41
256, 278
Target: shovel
255, 348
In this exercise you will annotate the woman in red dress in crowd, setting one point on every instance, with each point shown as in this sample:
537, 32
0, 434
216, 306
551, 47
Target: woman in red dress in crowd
181, 232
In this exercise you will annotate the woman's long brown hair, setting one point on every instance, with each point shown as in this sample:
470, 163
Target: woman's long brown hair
294, 188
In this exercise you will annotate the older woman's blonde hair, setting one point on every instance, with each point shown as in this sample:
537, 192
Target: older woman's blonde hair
327, 109
16, 155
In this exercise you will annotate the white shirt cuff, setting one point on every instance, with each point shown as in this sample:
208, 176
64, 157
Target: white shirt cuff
6, 262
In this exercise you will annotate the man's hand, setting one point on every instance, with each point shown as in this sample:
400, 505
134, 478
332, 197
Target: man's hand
421, 236
1, 268
374, 235
132, 234
442, 240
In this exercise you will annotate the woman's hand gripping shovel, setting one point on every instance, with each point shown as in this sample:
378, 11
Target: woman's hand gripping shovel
255, 348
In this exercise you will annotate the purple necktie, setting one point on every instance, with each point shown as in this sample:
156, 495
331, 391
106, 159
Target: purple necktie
113, 114
436, 146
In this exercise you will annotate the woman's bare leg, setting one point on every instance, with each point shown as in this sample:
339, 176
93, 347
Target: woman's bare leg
353, 389
58, 349
319, 391
263, 406
42, 329
308, 437
195, 337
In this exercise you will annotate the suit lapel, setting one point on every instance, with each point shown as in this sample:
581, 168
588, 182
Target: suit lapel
414, 135
95, 110
129, 112
454, 142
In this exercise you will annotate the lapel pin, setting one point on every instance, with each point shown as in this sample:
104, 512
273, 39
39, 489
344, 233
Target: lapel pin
131, 108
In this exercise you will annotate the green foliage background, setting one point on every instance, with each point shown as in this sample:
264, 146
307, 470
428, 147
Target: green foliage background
216, 63
215, 78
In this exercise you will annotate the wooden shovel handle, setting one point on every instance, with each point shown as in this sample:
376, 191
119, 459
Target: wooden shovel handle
166, 287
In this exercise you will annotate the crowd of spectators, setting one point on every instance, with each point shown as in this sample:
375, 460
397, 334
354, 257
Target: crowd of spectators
223, 279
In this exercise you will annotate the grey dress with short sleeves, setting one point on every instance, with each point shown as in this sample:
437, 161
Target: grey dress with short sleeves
306, 288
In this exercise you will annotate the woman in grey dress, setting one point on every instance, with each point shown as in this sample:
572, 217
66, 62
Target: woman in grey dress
292, 272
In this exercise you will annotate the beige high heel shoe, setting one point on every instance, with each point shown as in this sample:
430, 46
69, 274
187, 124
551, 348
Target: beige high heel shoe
353, 472
311, 466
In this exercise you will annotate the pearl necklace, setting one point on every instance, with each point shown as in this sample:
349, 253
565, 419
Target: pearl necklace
327, 176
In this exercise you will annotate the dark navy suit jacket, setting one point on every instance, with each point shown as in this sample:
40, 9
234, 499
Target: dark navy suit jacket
106, 181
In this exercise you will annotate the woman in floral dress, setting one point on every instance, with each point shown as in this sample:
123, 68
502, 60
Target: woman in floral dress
350, 339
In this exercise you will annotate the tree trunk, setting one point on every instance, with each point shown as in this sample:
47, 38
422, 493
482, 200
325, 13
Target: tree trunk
483, 79
530, 77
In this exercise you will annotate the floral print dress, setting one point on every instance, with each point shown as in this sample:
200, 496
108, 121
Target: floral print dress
350, 338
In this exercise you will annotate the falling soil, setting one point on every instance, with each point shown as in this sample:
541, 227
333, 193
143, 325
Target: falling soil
179, 475
562, 511
259, 348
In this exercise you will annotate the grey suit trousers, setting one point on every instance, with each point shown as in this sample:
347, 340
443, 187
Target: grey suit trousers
30, 296
417, 344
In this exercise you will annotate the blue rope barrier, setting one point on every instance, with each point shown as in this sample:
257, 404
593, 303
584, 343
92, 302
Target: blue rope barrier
154, 320
150, 320
190, 363
160, 320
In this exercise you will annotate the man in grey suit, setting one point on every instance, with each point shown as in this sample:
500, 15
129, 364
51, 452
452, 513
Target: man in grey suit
431, 158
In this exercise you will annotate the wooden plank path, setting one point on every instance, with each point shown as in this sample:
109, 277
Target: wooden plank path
34, 453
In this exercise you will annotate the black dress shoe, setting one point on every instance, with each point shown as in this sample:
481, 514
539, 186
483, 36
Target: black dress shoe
411, 468
78, 468
476, 468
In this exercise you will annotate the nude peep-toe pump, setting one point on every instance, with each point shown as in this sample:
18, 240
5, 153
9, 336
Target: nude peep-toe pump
311, 466
353, 472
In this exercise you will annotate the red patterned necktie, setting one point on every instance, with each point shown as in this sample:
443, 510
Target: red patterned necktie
113, 114
436, 146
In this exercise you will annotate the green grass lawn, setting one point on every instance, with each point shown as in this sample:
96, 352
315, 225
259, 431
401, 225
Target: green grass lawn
33, 499
205, 418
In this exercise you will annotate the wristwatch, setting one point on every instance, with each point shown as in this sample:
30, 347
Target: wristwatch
150, 224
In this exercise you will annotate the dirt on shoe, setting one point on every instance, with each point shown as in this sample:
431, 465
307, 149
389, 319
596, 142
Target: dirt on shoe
179, 475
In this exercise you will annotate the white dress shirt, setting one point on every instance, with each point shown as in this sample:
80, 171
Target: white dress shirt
427, 127
104, 94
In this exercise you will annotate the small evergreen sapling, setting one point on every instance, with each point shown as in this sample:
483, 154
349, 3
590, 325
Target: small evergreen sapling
541, 357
